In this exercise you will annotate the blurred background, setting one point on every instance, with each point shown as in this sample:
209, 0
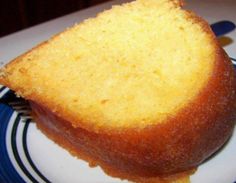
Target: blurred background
19, 14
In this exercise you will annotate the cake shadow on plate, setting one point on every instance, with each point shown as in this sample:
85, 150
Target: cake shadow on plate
225, 41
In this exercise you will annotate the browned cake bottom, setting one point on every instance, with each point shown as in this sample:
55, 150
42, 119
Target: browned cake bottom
66, 136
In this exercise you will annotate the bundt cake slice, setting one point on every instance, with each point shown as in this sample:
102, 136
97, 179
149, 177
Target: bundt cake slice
143, 90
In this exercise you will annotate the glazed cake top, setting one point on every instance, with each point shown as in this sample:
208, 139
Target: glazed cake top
132, 66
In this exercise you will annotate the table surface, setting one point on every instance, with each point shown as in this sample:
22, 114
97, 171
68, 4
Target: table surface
17, 43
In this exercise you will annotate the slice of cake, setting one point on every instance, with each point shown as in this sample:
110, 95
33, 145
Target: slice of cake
143, 90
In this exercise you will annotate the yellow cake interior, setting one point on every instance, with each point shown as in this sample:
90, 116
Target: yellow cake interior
131, 66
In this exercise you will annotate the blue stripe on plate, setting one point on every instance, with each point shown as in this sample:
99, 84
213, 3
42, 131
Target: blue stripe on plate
15, 150
8, 174
24, 139
234, 64
233, 59
21, 107
2, 88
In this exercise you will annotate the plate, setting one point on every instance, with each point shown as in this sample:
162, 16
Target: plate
26, 155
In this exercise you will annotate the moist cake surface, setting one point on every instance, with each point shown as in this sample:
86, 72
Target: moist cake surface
132, 66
